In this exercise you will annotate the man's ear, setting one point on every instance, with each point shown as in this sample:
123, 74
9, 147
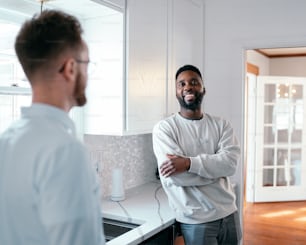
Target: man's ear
70, 69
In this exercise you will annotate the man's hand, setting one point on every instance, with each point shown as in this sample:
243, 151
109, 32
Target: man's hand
174, 165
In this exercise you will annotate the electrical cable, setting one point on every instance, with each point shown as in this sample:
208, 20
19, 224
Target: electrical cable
130, 220
158, 204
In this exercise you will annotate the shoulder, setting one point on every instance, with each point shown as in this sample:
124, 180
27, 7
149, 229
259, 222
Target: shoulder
216, 119
218, 122
166, 123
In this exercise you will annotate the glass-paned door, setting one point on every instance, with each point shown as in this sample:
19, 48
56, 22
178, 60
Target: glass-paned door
280, 139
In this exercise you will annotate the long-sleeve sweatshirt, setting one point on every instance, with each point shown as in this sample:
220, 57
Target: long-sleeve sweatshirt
204, 192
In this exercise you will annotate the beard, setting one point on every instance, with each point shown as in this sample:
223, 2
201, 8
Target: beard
193, 105
79, 90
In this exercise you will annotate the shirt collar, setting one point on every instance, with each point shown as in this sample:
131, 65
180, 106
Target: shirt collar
44, 110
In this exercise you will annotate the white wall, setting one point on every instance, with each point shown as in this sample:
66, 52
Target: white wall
231, 26
282, 66
295, 66
261, 61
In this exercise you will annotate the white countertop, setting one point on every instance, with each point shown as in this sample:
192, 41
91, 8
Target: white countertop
146, 205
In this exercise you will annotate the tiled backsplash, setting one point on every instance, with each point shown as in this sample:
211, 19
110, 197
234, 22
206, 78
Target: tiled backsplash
134, 154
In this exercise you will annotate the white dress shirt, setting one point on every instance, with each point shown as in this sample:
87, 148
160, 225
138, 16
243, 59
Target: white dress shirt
48, 191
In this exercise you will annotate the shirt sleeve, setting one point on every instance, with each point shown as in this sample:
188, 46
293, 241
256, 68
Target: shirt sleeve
224, 162
164, 143
68, 197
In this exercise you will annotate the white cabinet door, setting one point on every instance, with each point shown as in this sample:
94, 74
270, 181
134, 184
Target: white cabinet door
104, 35
186, 41
162, 36
146, 64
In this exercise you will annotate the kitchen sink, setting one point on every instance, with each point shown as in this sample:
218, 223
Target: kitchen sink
114, 228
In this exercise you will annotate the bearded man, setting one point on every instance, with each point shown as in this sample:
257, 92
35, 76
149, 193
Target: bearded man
196, 154
48, 190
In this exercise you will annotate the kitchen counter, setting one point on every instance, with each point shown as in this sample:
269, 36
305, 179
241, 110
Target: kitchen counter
146, 205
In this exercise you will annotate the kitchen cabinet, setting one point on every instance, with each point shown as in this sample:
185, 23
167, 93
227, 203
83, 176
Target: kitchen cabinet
137, 46
158, 37
186, 42
162, 36
164, 237
146, 64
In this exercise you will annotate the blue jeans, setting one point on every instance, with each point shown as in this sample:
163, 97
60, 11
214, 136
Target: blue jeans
224, 231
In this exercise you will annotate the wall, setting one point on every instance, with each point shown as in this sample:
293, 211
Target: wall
282, 66
230, 28
294, 66
261, 61
133, 153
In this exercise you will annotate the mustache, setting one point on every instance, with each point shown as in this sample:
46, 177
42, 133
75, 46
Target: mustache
196, 104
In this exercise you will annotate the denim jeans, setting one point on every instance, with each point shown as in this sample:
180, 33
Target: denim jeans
224, 231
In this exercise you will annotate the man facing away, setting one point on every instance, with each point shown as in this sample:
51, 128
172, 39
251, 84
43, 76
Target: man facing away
48, 191
196, 154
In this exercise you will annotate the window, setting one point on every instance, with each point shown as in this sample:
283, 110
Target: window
104, 112
15, 89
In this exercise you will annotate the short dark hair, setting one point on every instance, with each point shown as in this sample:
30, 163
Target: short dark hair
45, 37
188, 68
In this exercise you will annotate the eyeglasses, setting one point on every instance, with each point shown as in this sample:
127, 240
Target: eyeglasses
90, 66
82, 61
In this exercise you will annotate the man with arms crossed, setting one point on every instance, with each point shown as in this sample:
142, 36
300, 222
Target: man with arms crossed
196, 154
48, 191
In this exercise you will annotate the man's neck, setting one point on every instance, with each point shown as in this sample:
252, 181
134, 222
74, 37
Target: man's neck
51, 97
191, 114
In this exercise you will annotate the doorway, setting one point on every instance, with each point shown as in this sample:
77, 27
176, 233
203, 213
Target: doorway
274, 140
275, 131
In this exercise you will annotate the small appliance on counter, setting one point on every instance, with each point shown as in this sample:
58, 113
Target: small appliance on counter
117, 193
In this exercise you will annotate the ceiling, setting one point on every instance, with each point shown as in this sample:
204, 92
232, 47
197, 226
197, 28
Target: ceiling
81, 8
92, 8
283, 52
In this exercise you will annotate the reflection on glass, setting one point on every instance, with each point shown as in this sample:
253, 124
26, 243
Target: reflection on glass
283, 136
282, 114
268, 157
267, 177
270, 92
281, 177
296, 136
297, 91
269, 137
296, 164
296, 156
283, 91
282, 156
298, 114
268, 114
295, 176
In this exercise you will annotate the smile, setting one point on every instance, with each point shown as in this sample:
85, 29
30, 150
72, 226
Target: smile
189, 97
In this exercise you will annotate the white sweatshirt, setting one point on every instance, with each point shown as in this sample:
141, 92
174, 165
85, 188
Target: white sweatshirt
204, 193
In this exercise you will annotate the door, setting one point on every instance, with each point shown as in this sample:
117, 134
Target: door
280, 172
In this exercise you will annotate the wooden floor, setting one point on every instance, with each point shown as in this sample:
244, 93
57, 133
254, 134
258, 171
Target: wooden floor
282, 223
